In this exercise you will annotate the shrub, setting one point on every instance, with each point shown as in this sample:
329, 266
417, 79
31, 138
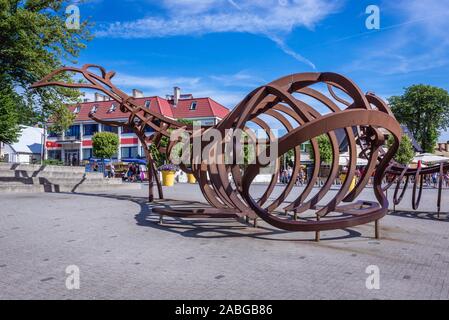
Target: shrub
52, 162
105, 144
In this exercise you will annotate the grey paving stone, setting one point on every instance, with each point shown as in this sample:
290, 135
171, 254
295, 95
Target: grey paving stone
122, 252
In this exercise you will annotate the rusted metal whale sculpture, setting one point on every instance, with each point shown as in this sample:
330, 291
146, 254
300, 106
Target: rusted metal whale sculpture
359, 119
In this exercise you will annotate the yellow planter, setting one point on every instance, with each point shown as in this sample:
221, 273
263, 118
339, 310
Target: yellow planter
353, 182
168, 178
191, 178
352, 185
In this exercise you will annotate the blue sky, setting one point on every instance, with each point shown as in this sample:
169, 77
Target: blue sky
226, 48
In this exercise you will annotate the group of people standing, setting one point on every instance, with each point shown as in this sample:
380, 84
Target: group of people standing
434, 179
109, 169
286, 175
134, 173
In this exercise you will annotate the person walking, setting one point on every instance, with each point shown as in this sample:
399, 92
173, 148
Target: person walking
129, 173
142, 172
300, 177
74, 160
112, 171
434, 179
284, 176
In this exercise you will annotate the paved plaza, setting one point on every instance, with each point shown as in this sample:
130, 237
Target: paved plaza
122, 252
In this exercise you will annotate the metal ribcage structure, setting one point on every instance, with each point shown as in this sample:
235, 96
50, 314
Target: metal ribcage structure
365, 118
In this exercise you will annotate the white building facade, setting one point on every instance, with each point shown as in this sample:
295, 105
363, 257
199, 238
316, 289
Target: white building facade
75, 145
27, 150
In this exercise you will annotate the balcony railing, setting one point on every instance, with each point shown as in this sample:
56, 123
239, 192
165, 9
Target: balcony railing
72, 137
65, 138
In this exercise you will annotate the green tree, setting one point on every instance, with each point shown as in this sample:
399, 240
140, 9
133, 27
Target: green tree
289, 156
9, 119
325, 147
105, 144
424, 110
324, 144
187, 122
160, 158
34, 41
157, 156
61, 119
405, 151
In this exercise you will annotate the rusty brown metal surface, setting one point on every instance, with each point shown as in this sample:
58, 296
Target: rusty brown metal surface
402, 174
292, 101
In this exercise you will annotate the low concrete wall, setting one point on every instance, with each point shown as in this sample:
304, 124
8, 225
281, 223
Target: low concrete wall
43, 178
42, 168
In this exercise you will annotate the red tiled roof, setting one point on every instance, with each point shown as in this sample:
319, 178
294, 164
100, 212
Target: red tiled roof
206, 107
165, 107
218, 109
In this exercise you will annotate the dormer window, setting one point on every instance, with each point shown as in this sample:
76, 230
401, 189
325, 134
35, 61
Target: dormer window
112, 108
77, 109
94, 109
193, 105
147, 104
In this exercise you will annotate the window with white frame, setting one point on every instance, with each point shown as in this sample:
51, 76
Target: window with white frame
90, 129
87, 153
112, 108
112, 129
193, 105
129, 152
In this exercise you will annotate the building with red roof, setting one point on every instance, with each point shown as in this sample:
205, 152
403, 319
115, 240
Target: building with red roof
76, 144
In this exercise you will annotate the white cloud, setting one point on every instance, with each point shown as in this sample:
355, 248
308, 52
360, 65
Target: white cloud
227, 98
89, 95
416, 44
154, 83
188, 6
210, 23
240, 79
430, 18
390, 63
200, 87
271, 18
284, 47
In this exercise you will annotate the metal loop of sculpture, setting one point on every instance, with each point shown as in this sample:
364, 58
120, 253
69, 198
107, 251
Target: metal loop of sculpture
358, 119
398, 172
